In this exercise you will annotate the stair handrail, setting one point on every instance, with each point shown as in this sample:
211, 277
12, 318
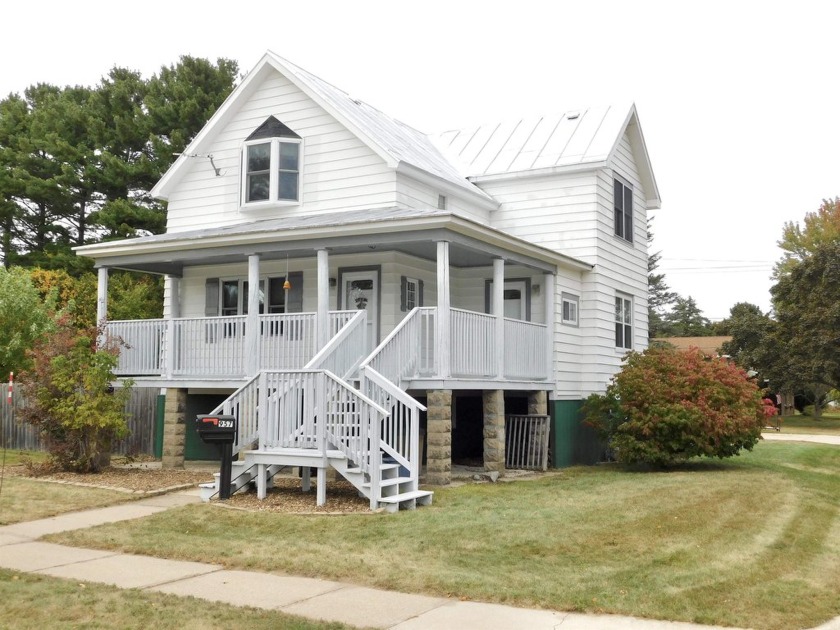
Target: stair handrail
247, 428
338, 355
399, 434
405, 336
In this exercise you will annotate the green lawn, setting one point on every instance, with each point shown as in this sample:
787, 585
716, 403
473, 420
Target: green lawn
34, 602
828, 424
749, 542
27, 500
14, 457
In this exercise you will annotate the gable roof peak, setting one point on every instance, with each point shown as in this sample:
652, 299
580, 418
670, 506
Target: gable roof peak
393, 141
272, 128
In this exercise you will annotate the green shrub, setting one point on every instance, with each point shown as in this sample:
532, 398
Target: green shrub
69, 399
667, 406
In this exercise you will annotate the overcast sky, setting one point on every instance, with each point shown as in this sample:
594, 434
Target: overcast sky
738, 100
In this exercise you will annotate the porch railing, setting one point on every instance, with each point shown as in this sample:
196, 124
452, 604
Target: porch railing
346, 348
215, 346
144, 350
473, 342
206, 346
525, 350
409, 351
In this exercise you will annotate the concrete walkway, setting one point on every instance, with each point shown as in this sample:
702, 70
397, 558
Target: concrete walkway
773, 436
324, 600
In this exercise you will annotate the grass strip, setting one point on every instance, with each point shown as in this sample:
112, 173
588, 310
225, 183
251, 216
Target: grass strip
749, 542
34, 602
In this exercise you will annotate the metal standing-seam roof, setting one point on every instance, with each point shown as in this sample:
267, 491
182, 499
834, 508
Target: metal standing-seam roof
585, 137
574, 137
402, 142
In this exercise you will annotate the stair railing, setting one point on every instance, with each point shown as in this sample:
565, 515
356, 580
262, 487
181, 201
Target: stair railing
345, 350
408, 351
244, 404
399, 432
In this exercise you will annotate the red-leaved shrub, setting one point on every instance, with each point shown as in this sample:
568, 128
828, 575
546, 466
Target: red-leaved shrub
667, 406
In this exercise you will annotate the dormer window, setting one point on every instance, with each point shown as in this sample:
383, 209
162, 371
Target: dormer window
271, 165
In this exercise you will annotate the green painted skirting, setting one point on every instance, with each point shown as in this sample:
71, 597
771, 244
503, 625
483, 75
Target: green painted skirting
160, 410
572, 442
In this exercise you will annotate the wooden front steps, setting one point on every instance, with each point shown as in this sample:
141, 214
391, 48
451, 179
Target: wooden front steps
259, 466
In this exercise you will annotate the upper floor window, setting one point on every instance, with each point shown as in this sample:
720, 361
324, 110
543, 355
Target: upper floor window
271, 164
623, 205
623, 322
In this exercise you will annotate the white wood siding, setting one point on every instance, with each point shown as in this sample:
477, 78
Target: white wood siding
339, 172
568, 340
573, 214
558, 212
621, 268
414, 194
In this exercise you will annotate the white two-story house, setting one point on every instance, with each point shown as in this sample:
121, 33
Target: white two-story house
336, 278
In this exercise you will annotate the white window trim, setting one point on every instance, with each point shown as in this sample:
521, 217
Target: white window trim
415, 284
627, 307
573, 300
626, 238
242, 281
274, 180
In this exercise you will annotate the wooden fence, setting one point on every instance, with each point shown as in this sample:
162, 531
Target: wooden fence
141, 409
526, 442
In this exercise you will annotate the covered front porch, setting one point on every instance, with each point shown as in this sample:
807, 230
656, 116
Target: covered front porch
478, 347
377, 262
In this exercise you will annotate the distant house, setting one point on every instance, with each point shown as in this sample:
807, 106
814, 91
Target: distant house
709, 346
336, 279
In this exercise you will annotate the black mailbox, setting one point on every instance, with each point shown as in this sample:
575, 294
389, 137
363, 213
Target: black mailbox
216, 429
220, 430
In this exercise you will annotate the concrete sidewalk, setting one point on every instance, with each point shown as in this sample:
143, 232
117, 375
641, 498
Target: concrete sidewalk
316, 599
801, 437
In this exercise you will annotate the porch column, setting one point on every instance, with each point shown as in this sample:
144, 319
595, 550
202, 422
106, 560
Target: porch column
174, 428
171, 310
252, 323
323, 314
442, 323
538, 403
494, 431
172, 286
102, 296
550, 323
499, 313
439, 437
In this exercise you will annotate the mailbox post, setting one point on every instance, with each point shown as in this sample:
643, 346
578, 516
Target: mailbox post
220, 430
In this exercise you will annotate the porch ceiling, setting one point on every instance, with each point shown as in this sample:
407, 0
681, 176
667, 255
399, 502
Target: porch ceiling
411, 232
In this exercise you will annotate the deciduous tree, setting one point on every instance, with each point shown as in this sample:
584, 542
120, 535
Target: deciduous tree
25, 317
807, 305
797, 243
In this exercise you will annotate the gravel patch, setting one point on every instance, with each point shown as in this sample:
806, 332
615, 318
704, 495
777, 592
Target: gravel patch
287, 496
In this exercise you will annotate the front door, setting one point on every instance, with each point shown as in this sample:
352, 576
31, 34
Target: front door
360, 290
515, 297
